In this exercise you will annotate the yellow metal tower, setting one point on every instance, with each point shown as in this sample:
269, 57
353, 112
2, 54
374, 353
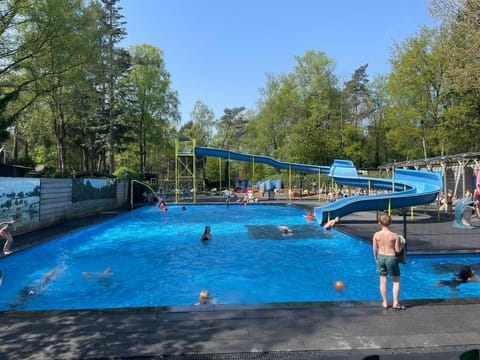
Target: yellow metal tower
185, 173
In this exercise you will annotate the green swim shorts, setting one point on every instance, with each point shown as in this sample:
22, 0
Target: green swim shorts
387, 265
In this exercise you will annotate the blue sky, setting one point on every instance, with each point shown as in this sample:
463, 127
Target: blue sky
218, 51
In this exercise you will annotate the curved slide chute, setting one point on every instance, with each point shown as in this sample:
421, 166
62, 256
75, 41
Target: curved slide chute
232, 155
412, 187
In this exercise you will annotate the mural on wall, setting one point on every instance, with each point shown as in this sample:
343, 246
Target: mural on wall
93, 189
20, 196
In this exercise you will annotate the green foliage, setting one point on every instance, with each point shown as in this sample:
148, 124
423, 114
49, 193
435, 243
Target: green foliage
231, 129
125, 173
26, 161
72, 99
151, 102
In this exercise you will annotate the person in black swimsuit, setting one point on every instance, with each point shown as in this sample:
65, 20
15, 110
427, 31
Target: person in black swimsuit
466, 274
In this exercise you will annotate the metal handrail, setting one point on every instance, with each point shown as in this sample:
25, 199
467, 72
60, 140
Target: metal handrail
131, 190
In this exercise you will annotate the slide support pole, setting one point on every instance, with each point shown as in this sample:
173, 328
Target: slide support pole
318, 186
290, 182
220, 172
253, 172
229, 170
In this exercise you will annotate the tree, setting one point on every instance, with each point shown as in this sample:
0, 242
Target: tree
231, 128
357, 96
376, 148
313, 136
201, 125
113, 63
24, 37
268, 130
152, 102
462, 44
63, 55
418, 91
356, 108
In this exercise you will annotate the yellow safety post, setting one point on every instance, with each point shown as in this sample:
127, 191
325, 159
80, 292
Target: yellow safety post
177, 180
220, 172
290, 182
229, 170
389, 206
194, 160
318, 186
253, 171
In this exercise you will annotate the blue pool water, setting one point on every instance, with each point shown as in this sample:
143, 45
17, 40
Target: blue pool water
157, 259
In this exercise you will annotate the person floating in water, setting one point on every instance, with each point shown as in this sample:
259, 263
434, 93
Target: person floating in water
285, 230
330, 224
466, 274
33, 289
207, 234
103, 278
104, 273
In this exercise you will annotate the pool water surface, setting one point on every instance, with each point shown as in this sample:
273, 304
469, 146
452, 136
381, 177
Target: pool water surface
157, 259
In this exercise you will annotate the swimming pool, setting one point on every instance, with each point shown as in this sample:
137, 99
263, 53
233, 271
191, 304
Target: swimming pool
157, 259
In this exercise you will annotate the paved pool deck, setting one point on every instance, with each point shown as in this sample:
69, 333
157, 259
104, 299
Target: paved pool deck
437, 330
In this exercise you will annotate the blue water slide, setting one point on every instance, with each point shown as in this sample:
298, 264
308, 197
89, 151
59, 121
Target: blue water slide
412, 188
232, 155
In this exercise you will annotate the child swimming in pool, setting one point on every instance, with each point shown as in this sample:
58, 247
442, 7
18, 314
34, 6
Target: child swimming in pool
103, 278
33, 289
104, 273
285, 230
204, 298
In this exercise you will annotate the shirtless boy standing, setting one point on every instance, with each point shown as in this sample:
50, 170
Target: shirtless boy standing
385, 246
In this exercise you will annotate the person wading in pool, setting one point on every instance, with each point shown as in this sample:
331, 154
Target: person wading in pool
207, 235
386, 244
204, 298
